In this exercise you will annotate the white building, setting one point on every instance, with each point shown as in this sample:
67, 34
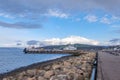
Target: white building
70, 47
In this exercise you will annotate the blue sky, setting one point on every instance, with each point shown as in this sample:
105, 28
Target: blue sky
59, 22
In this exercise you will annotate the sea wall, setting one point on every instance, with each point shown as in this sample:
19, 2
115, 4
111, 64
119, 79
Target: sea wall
66, 68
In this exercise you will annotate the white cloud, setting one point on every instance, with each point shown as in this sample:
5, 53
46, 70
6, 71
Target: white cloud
70, 40
52, 41
57, 13
105, 20
115, 18
6, 15
91, 18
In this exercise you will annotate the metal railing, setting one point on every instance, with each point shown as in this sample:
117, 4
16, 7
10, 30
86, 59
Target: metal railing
94, 70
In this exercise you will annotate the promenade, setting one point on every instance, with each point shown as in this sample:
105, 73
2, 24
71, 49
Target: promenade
108, 66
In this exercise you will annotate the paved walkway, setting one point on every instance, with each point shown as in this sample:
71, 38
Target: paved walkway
108, 66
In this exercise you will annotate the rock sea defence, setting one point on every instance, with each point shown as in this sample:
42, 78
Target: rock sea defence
71, 68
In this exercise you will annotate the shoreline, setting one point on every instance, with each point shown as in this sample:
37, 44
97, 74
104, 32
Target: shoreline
33, 66
69, 67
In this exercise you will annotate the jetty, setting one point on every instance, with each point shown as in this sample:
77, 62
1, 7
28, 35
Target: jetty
39, 51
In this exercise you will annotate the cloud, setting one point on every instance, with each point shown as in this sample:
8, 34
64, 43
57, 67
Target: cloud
70, 40
20, 25
115, 18
39, 7
115, 41
56, 13
6, 15
105, 20
91, 18
32, 10
63, 41
32, 42
18, 44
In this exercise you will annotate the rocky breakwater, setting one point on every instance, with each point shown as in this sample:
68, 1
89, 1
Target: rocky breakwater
73, 68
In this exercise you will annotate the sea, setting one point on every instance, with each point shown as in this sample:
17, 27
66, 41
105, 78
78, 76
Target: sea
13, 58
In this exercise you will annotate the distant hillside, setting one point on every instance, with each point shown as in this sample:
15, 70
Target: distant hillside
78, 46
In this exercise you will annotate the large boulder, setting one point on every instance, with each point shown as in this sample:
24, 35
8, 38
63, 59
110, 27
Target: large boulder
41, 78
33, 78
59, 77
48, 74
41, 72
66, 63
47, 67
56, 66
32, 72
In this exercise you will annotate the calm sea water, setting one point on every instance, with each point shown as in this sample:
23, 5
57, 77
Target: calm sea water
12, 58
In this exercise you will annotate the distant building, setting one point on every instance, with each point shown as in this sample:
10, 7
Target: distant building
70, 47
116, 49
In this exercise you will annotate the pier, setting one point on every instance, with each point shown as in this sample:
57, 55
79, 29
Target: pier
38, 51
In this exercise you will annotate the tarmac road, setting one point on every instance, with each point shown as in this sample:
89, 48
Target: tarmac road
108, 66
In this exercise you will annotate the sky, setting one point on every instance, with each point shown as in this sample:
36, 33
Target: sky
56, 22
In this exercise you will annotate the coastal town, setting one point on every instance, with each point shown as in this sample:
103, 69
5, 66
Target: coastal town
59, 40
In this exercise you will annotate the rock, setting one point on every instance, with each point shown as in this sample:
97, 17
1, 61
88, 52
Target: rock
59, 77
31, 78
22, 74
48, 74
80, 71
66, 63
41, 78
86, 79
86, 74
41, 72
47, 67
31, 73
57, 72
80, 77
74, 76
71, 76
5, 79
56, 66
78, 66
66, 70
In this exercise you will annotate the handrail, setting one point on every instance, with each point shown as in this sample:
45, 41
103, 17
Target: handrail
94, 70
